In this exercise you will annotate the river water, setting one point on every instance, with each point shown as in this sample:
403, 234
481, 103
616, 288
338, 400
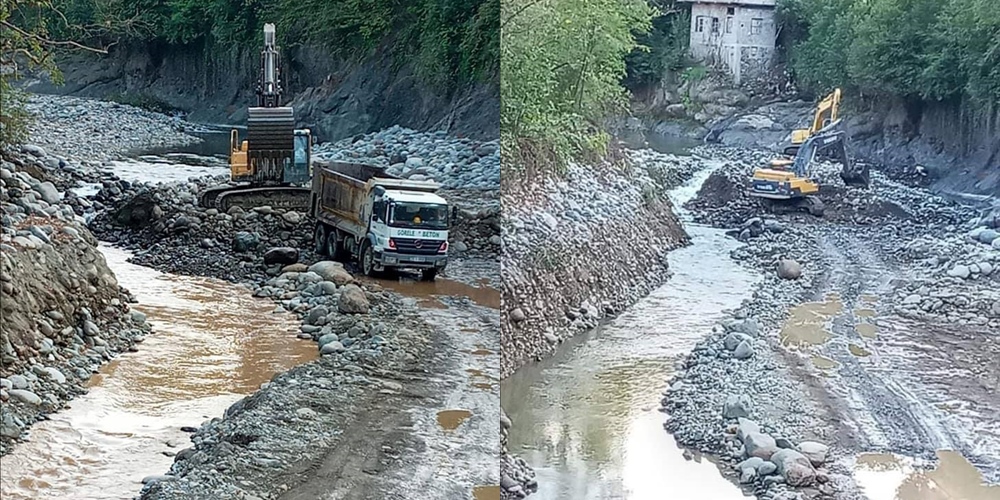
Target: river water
213, 344
587, 419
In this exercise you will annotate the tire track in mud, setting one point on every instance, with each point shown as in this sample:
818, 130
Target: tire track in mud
889, 390
398, 448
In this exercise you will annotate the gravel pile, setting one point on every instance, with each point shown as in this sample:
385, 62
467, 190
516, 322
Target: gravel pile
454, 163
517, 479
101, 130
63, 312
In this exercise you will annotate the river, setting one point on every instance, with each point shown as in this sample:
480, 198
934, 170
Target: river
213, 344
587, 419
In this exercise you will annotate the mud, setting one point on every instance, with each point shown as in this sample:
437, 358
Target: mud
890, 477
212, 344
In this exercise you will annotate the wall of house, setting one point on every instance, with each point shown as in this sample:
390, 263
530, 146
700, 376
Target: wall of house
737, 37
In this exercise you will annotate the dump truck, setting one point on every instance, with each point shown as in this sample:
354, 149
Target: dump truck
366, 215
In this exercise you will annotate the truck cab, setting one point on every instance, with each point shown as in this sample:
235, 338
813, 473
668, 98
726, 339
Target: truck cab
408, 229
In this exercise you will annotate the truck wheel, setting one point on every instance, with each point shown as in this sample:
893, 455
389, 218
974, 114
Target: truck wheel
429, 274
367, 259
334, 248
319, 239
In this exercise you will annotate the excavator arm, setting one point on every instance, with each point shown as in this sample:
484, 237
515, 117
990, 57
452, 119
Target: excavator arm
827, 112
831, 141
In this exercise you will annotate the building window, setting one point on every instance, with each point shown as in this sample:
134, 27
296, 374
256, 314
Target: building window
730, 11
699, 24
729, 24
755, 26
715, 25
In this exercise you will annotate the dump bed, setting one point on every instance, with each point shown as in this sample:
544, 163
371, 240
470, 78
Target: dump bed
340, 190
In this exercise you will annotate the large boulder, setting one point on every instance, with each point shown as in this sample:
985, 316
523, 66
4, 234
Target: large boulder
736, 406
794, 467
789, 269
760, 445
353, 300
815, 452
142, 210
281, 255
245, 242
332, 271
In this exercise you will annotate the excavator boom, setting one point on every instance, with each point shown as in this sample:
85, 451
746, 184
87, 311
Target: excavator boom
272, 164
827, 112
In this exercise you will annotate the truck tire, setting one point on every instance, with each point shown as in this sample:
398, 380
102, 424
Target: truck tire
429, 274
319, 239
334, 248
367, 259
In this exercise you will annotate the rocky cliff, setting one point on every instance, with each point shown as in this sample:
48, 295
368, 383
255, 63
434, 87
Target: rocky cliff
334, 97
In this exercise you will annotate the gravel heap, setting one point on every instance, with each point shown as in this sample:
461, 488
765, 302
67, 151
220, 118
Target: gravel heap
100, 130
584, 245
455, 163
517, 479
363, 333
63, 312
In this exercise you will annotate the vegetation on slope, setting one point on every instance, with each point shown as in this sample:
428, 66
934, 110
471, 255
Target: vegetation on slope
925, 49
452, 42
562, 64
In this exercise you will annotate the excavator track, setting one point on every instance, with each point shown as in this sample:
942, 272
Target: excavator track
808, 204
283, 197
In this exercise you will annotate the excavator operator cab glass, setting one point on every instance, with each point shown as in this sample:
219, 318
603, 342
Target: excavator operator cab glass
301, 145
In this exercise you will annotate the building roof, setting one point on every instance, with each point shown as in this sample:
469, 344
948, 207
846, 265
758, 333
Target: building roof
754, 3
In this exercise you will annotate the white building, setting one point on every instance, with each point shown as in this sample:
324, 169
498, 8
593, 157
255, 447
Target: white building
738, 35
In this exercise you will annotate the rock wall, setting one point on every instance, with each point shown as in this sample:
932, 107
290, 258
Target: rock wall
334, 98
63, 312
584, 246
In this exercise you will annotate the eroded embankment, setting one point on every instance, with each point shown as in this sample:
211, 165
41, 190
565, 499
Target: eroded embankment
578, 249
63, 312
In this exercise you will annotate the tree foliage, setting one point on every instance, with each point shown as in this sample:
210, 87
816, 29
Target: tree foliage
26, 41
663, 49
562, 63
452, 40
928, 49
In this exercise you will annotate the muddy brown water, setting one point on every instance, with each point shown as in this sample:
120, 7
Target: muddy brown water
213, 344
891, 477
428, 293
587, 420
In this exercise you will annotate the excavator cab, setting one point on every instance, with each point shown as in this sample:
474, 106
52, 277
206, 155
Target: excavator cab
300, 169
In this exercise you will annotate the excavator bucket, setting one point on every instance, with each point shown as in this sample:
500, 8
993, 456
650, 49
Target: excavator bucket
270, 129
857, 174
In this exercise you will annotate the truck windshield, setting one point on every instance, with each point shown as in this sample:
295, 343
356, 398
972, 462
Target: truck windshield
418, 215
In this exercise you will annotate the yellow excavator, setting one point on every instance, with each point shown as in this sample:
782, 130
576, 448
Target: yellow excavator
827, 112
273, 165
786, 185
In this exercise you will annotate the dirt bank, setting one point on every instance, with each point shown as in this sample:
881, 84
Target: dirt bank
335, 98
63, 311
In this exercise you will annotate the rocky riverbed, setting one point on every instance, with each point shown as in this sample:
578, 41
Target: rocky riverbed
810, 371
375, 343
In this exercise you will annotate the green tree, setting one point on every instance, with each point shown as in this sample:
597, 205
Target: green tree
26, 42
562, 63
